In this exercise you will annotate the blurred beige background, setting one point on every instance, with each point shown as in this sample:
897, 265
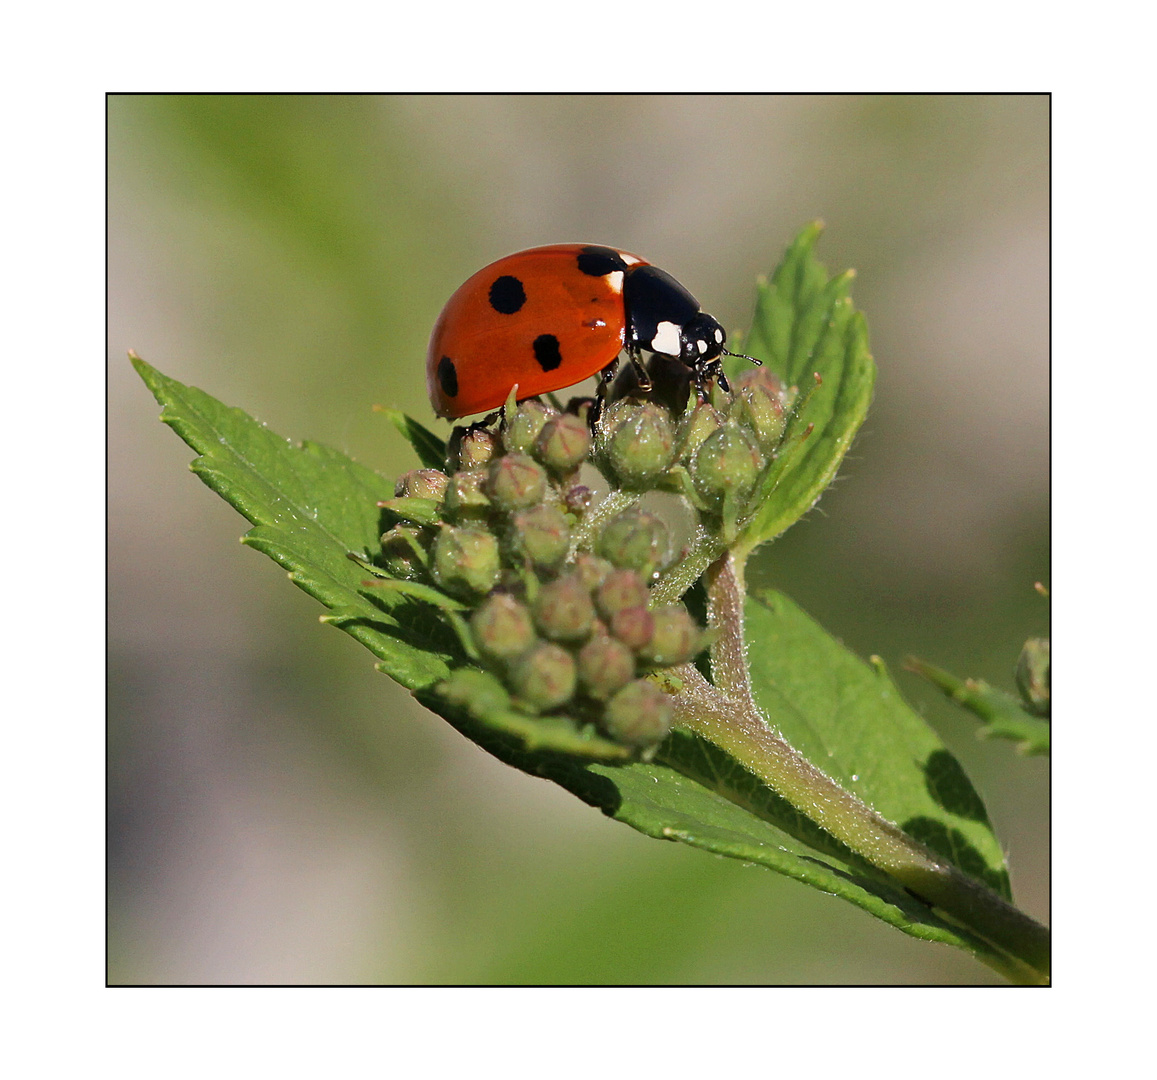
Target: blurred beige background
279, 812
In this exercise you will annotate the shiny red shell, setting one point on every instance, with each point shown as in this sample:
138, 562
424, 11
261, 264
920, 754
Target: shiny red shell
533, 319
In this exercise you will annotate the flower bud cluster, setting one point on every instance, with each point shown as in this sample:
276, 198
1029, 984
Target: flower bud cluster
568, 627
714, 454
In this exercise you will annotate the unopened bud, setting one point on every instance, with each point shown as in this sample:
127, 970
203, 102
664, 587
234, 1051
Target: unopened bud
475, 690
621, 589
591, 569
761, 378
465, 560
422, 484
676, 639
763, 416
539, 535
1034, 675
700, 422
605, 666
465, 497
398, 553
636, 540
563, 610
563, 443
523, 426
639, 714
633, 626
544, 678
641, 446
472, 447
727, 462
515, 482
502, 627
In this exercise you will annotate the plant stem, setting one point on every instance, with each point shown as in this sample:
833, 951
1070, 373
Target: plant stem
684, 572
592, 524
726, 714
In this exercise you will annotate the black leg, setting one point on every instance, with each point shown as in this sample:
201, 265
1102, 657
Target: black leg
634, 354
601, 393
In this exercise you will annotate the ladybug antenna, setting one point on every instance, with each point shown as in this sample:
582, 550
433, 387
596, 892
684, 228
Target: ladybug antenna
757, 363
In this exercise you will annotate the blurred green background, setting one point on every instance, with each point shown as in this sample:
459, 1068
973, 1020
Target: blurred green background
278, 811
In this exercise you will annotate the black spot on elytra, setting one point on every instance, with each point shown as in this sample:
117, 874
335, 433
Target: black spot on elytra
448, 377
507, 295
546, 352
600, 261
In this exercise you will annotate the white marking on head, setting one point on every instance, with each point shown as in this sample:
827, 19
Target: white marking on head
702, 346
666, 339
719, 335
615, 280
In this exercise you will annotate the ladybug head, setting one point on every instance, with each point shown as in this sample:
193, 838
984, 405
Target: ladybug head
702, 339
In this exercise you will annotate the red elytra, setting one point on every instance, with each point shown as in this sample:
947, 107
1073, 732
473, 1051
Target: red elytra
550, 317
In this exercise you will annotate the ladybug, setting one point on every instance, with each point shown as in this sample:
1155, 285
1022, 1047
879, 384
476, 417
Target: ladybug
549, 317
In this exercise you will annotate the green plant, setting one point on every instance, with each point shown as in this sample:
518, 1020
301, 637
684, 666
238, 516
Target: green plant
560, 632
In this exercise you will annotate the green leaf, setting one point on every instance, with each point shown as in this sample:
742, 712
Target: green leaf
431, 450
847, 718
310, 507
805, 325
1004, 716
661, 802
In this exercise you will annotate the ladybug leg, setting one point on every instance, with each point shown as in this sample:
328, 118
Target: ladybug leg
605, 378
634, 354
702, 374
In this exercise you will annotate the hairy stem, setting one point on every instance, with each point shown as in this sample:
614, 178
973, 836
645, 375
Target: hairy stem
684, 572
592, 524
727, 715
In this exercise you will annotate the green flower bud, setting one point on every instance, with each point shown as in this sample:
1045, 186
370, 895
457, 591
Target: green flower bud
563, 443
636, 540
515, 482
544, 678
604, 666
633, 626
472, 447
465, 494
422, 484
1034, 675
639, 714
677, 637
700, 422
641, 446
522, 427
762, 415
727, 462
465, 560
763, 379
502, 627
398, 553
539, 535
591, 569
477, 691
621, 589
563, 610
761, 405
